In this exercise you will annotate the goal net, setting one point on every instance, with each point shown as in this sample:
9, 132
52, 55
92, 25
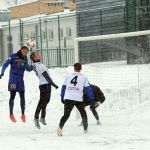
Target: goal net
119, 65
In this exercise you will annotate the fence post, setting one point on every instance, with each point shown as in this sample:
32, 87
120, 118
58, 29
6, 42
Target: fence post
41, 38
10, 48
22, 30
101, 31
21, 38
45, 22
59, 42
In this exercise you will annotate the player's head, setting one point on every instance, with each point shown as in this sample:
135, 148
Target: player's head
77, 67
24, 50
35, 56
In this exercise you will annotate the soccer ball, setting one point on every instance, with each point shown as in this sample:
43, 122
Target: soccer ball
31, 43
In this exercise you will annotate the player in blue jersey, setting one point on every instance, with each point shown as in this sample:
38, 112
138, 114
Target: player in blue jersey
18, 64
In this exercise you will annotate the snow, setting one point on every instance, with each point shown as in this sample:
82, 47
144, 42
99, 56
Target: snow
4, 5
124, 115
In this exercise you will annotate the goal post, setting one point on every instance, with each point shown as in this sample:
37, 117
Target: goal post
105, 37
119, 65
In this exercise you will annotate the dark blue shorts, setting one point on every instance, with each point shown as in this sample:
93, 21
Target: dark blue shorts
16, 83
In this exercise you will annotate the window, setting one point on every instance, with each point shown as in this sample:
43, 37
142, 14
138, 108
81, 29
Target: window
50, 4
32, 34
26, 35
51, 34
69, 32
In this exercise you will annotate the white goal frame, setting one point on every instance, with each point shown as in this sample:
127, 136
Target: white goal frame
105, 37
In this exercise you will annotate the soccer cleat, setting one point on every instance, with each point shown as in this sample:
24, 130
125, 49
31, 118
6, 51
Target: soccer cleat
36, 122
23, 118
59, 132
98, 122
42, 120
12, 118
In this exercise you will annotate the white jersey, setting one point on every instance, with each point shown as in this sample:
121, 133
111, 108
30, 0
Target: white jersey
75, 84
39, 68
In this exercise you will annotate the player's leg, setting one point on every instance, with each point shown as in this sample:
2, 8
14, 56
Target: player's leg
11, 105
87, 103
43, 112
12, 87
80, 107
22, 102
45, 102
22, 105
11, 101
68, 106
38, 109
93, 109
21, 90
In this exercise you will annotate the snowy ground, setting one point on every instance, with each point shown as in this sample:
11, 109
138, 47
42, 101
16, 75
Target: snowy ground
125, 115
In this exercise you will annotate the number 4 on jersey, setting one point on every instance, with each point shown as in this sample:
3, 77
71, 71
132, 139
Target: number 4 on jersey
74, 81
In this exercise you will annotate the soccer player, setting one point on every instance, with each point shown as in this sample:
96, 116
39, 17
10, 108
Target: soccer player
45, 83
98, 98
71, 95
18, 63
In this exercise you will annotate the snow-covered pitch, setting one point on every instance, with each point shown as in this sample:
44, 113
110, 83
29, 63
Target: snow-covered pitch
125, 115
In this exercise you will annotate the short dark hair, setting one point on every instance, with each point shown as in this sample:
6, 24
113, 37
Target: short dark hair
24, 47
32, 55
77, 66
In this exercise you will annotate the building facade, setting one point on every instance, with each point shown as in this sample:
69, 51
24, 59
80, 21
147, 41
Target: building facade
40, 7
4, 15
54, 36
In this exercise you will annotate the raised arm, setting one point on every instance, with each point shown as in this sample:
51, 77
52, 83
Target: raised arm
5, 65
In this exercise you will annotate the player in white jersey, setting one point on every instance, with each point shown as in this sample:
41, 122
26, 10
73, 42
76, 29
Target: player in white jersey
45, 83
72, 95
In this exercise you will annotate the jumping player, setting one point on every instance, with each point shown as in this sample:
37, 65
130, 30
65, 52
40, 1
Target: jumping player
45, 83
18, 64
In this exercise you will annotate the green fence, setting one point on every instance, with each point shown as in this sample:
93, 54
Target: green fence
56, 57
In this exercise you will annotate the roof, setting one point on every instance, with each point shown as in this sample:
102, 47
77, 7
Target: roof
23, 3
35, 18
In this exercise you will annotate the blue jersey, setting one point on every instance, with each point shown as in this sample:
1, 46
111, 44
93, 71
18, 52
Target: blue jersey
18, 65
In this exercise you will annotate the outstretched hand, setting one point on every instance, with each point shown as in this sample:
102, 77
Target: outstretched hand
56, 87
62, 100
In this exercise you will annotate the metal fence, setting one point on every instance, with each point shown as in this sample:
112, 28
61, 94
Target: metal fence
56, 57
53, 35
127, 17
